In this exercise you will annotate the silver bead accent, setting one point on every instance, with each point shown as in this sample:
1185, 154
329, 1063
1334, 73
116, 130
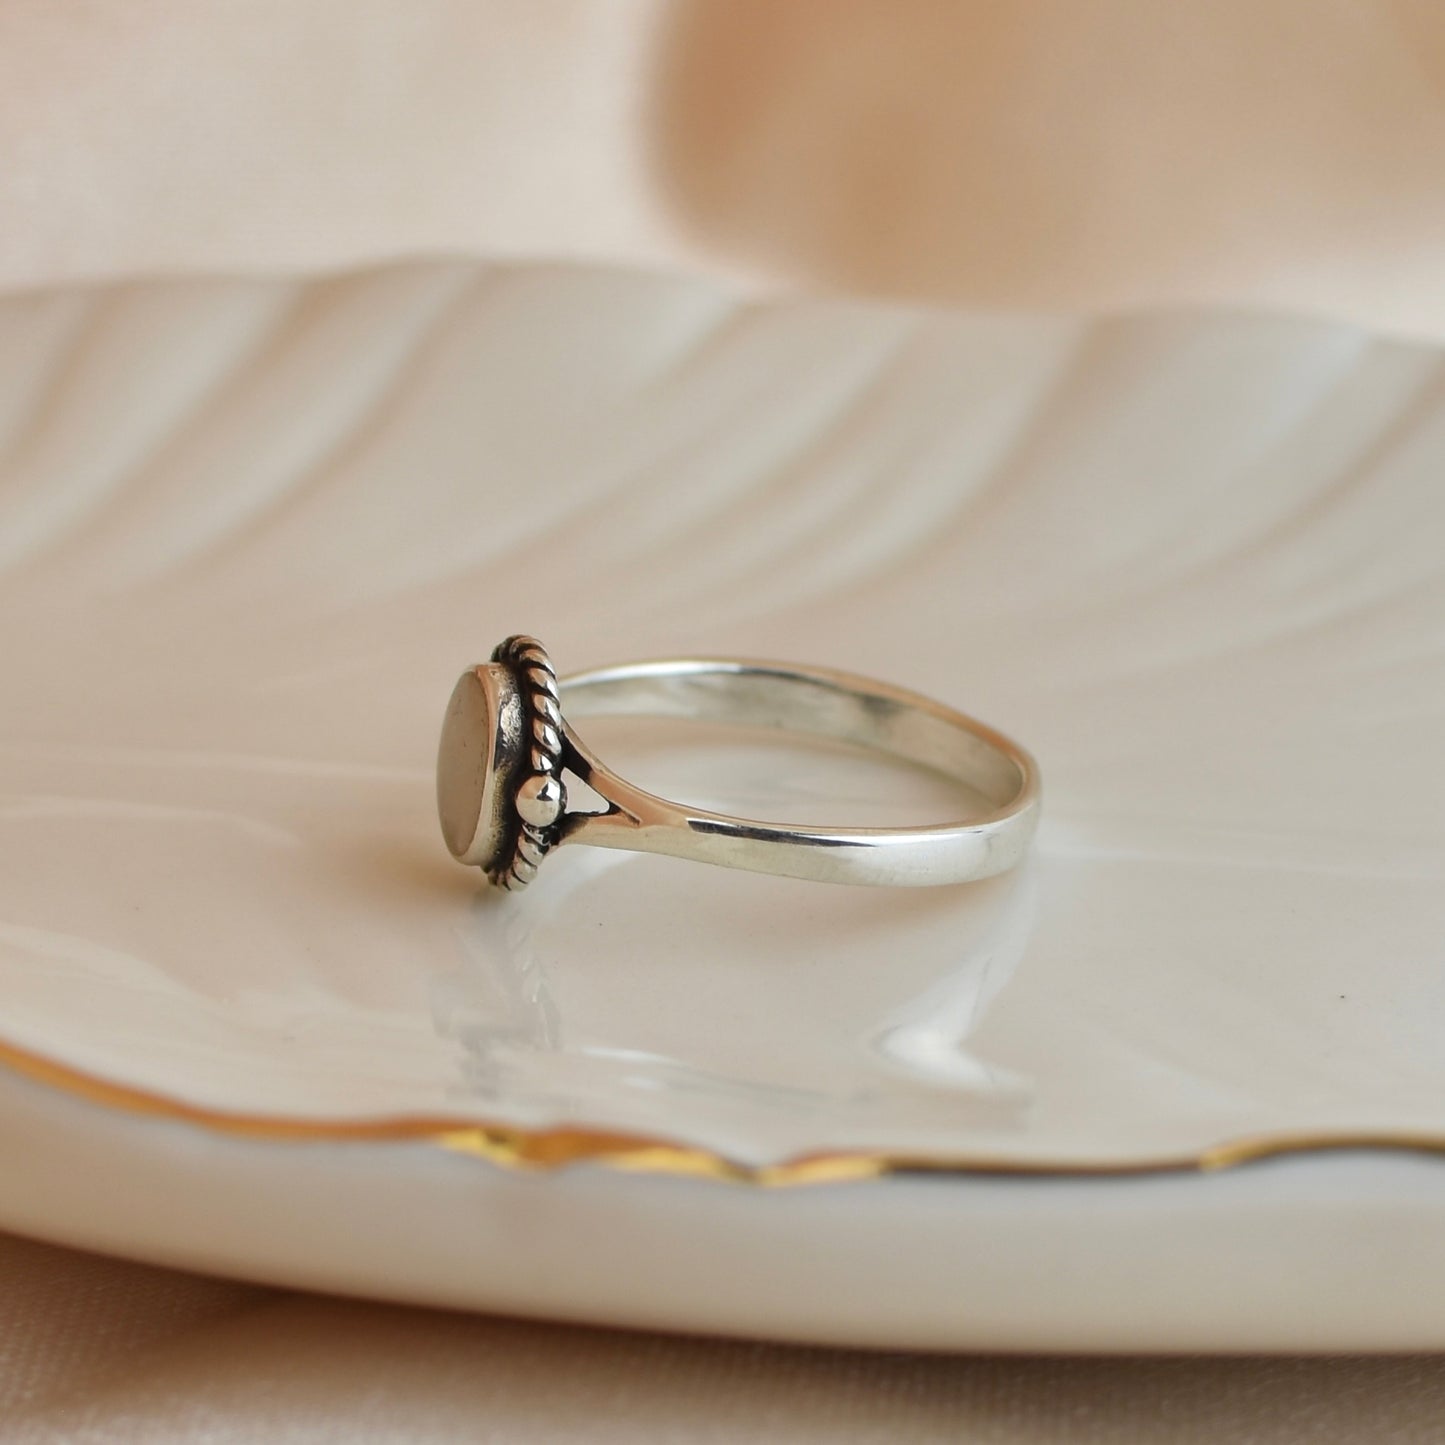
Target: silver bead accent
541, 800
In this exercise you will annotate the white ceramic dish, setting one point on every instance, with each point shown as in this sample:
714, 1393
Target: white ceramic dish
250, 533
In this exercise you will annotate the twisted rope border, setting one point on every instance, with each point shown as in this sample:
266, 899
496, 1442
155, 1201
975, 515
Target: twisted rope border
537, 682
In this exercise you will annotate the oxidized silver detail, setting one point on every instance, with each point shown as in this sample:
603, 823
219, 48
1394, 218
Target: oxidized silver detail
541, 797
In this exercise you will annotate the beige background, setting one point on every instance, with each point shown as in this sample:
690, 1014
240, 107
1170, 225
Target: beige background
99, 1350
1040, 152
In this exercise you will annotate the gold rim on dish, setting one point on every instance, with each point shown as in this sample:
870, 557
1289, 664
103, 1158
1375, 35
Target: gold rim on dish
544, 1149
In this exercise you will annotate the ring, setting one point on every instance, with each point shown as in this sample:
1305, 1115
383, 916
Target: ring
506, 746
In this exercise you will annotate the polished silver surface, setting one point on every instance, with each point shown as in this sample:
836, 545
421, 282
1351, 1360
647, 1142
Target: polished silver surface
506, 745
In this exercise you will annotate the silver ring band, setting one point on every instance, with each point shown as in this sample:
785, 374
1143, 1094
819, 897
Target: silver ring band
506, 745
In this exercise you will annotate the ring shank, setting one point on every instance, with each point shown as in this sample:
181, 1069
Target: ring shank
822, 703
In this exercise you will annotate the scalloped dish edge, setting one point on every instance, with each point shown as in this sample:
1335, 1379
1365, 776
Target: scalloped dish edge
545, 1149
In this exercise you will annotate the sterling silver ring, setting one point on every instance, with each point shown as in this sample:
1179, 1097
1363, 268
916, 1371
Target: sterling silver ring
506, 747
